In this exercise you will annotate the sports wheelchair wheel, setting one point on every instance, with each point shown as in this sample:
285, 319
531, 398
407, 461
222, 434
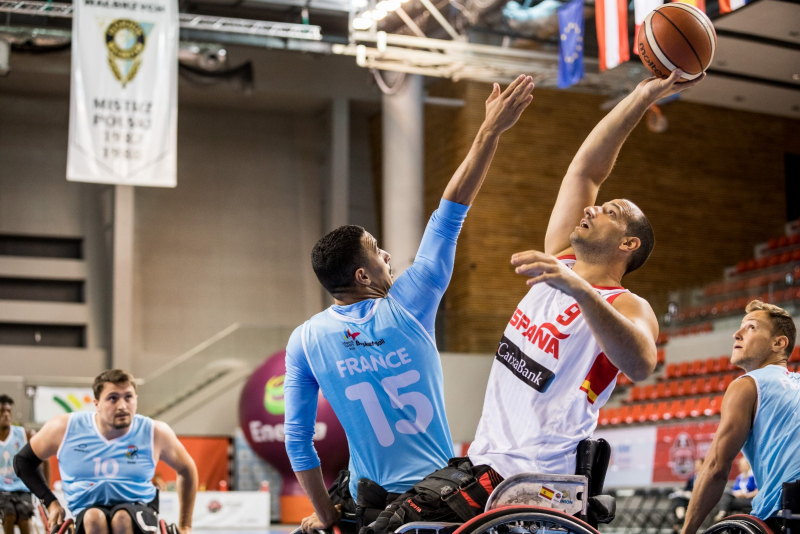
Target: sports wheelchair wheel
739, 524
164, 528
332, 530
67, 527
524, 520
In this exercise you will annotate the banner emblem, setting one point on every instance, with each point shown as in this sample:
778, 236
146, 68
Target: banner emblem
125, 40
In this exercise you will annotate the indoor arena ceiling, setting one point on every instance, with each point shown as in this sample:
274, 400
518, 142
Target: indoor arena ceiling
756, 68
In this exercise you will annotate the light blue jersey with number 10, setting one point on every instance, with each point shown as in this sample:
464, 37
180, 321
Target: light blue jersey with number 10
95, 470
376, 363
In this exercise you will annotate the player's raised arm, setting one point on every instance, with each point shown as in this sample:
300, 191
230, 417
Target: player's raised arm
595, 159
503, 109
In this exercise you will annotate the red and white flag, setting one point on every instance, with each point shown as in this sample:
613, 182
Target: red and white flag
612, 32
642, 8
726, 6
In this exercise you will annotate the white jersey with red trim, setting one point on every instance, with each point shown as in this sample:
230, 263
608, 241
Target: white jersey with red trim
548, 382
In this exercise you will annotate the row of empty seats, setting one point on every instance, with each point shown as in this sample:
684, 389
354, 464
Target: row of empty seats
737, 305
768, 261
661, 411
783, 241
710, 366
690, 386
763, 280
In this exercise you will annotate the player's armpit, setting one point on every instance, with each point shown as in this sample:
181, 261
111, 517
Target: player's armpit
46, 442
576, 193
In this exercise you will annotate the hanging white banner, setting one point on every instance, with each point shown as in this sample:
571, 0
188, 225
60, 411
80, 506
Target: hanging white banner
123, 126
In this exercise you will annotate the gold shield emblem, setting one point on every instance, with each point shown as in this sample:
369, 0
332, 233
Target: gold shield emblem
125, 40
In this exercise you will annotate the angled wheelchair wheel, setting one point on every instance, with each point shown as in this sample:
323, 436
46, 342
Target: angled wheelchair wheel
67, 527
525, 520
739, 524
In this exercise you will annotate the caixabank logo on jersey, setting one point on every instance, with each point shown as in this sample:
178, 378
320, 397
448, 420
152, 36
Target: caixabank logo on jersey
526, 369
351, 341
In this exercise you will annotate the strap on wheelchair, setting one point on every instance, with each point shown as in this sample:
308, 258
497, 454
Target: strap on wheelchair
790, 499
459, 489
592, 461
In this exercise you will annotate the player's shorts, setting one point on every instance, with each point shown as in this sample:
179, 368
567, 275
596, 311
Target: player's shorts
18, 503
144, 516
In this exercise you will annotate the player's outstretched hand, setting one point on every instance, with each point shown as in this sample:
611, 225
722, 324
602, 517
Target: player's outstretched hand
544, 268
654, 89
504, 108
313, 522
55, 516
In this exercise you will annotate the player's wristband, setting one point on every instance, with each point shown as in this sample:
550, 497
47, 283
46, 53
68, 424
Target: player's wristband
26, 465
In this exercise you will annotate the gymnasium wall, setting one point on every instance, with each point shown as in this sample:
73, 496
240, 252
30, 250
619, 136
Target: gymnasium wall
712, 185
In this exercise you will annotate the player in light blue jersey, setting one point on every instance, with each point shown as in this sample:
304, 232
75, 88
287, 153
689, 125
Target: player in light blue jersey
107, 460
16, 504
760, 415
373, 353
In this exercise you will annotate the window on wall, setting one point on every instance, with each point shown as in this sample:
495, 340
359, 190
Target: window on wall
792, 187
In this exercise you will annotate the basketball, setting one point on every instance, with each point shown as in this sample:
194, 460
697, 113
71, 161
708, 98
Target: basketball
677, 36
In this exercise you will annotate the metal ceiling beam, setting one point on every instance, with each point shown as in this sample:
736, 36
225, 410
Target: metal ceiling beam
255, 28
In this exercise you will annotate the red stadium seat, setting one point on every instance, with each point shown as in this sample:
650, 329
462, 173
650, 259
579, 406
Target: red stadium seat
794, 240
636, 394
674, 389
688, 406
712, 365
615, 416
678, 409
625, 414
713, 385
698, 367
649, 392
772, 243
661, 411
699, 385
651, 411
637, 414
714, 405
685, 387
674, 408
661, 391
660, 356
672, 370
723, 364
783, 241
602, 416
683, 369
727, 381
701, 407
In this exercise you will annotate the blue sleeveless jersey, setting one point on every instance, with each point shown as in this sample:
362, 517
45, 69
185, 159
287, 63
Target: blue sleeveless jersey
95, 470
9, 481
773, 446
383, 378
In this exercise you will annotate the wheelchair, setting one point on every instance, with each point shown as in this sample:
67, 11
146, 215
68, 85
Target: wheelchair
786, 521
537, 503
68, 526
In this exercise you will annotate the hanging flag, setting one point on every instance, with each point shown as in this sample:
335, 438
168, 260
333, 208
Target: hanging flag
699, 4
612, 32
726, 6
570, 46
123, 117
642, 8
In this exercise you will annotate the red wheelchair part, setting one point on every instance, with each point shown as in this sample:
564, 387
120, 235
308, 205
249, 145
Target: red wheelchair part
63, 528
749, 519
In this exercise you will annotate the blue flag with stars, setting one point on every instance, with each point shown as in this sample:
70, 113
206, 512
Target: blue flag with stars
570, 48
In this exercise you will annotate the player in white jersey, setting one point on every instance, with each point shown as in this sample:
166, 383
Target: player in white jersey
577, 327
16, 505
760, 416
107, 461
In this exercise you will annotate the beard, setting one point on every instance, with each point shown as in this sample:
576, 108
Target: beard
122, 422
590, 250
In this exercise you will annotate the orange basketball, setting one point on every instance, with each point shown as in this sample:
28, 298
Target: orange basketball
677, 36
